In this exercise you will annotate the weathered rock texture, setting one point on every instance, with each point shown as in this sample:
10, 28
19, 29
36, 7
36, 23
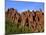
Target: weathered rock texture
33, 20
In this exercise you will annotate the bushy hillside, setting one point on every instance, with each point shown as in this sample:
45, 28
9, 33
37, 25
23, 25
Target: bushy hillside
25, 22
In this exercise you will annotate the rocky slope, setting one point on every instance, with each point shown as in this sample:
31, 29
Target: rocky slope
33, 20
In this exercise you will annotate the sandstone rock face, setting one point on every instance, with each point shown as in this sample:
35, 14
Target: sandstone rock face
33, 20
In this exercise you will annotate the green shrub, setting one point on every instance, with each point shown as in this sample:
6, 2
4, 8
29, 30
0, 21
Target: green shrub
15, 28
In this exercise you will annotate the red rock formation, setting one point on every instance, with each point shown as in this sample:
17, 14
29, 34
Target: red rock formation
33, 20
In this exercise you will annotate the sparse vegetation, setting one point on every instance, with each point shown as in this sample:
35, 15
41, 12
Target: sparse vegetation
25, 22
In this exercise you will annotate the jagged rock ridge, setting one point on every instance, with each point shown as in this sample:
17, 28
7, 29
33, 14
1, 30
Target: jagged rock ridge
33, 20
